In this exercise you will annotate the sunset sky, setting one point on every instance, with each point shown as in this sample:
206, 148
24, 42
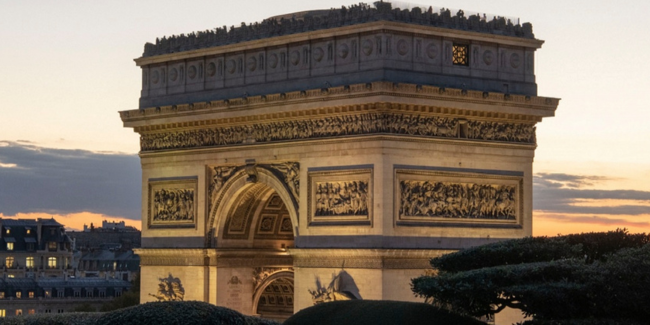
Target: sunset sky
66, 68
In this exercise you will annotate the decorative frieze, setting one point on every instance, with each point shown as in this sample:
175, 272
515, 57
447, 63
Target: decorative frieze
172, 203
457, 200
429, 196
340, 197
338, 126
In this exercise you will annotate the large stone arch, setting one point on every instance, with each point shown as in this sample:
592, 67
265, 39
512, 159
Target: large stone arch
234, 190
282, 275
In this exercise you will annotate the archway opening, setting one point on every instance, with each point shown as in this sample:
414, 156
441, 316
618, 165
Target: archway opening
257, 218
275, 299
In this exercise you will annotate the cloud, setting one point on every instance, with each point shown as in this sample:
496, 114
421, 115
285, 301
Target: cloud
552, 194
68, 181
594, 220
567, 180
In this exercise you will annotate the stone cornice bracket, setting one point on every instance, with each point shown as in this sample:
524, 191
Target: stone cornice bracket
251, 170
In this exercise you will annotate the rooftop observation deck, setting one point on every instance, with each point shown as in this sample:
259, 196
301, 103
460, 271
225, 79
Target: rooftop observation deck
339, 47
312, 20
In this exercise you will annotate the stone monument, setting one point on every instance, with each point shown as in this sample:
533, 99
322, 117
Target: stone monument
329, 154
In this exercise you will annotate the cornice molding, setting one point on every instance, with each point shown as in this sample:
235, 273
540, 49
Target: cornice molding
153, 118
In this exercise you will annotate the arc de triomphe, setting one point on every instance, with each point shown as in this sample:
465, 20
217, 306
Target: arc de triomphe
329, 155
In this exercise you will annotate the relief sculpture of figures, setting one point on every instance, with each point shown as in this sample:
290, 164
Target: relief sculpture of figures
173, 205
342, 198
169, 289
345, 125
291, 172
220, 176
495, 131
449, 200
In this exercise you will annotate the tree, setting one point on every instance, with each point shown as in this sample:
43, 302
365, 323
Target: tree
127, 299
583, 276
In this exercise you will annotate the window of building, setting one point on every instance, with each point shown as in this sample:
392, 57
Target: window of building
10, 246
19, 294
3, 313
77, 293
60, 311
19, 312
51, 245
48, 311
102, 294
11, 276
31, 311
2, 294
47, 294
51, 262
29, 231
30, 247
29, 262
9, 261
89, 293
118, 293
461, 54
31, 294
8, 231
59, 293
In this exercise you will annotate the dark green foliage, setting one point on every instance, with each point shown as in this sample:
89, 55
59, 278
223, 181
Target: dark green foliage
85, 308
589, 246
53, 319
590, 321
585, 276
371, 312
178, 312
127, 299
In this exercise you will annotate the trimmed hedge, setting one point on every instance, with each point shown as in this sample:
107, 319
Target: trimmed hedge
377, 312
590, 321
588, 247
179, 312
615, 287
53, 319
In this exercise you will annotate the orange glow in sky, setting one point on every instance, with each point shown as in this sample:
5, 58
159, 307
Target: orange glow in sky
76, 221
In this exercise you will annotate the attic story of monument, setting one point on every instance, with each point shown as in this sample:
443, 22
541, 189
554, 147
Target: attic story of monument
345, 146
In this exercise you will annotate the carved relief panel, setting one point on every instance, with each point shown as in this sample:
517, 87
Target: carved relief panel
172, 203
340, 197
433, 197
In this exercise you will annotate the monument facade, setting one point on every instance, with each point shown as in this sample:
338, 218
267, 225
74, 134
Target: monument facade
329, 154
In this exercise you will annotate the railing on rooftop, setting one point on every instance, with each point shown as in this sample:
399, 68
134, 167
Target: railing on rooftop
355, 14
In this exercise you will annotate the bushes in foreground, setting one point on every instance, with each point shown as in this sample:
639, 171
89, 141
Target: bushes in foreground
574, 279
377, 312
179, 312
154, 313
53, 319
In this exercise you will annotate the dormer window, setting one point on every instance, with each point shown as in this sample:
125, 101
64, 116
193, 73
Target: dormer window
10, 246
29, 231
51, 245
8, 231
461, 54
